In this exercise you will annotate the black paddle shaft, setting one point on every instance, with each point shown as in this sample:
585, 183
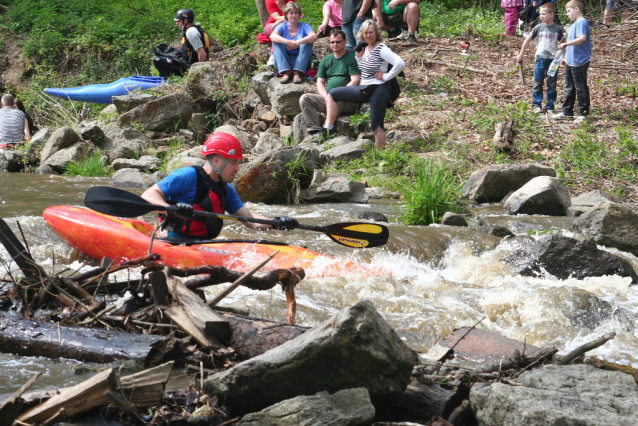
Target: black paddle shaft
116, 202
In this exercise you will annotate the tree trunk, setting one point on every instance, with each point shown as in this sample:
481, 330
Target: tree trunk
263, 13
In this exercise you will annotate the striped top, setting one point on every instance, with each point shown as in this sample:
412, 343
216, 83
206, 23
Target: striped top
11, 125
378, 60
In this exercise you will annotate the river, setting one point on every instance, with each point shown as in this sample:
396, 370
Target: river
442, 278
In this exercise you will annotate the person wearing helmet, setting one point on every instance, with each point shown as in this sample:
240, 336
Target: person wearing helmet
194, 46
208, 189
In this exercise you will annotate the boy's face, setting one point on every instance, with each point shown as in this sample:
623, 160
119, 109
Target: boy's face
573, 13
546, 16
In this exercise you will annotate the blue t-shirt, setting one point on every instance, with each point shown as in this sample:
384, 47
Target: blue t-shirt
181, 186
579, 54
303, 30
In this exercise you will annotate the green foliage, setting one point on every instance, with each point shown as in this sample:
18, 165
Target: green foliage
447, 19
92, 166
359, 119
434, 192
443, 84
297, 172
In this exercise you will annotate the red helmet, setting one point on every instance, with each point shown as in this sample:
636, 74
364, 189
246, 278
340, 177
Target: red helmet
223, 144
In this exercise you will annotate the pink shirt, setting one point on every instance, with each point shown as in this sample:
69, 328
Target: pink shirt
335, 13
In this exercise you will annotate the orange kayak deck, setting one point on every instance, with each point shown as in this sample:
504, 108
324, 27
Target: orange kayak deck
99, 235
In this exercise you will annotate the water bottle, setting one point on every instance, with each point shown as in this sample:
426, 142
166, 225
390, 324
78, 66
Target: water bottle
553, 68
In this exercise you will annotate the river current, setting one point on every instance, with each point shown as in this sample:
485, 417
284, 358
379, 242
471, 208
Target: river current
442, 278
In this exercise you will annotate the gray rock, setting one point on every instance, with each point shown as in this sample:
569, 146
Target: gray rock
566, 257
160, 114
356, 348
191, 157
379, 193
45, 170
610, 225
336, 191
146, 163
198, 124
41, 137
259, 83
496, 230
300, 128
399, 135
187, 135
348, 407
586, 201
202, 80
268, 142
60, 139
126, 103
133, 178
125, 142
555, 395
61, 158
11, 161
453, 219
284, 98
344, 127
252, 99
347, 151
109, 113
373, 216
541, 195
242, 136
91, 132
492, 183
286, 132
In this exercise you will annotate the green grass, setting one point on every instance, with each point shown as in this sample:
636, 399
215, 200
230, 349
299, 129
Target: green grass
91, 166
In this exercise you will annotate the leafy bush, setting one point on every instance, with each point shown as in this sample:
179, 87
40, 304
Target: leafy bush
433, 192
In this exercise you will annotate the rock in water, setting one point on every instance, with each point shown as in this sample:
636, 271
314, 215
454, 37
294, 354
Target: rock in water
348, 407
610, 225
541, 195
559, 396
492, 183
356, 348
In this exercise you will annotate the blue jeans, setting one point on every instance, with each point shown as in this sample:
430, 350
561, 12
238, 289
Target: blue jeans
287, 62
540, 72
351, 29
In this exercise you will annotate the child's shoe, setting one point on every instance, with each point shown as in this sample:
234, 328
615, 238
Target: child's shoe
580, 119
559, 116
538, 110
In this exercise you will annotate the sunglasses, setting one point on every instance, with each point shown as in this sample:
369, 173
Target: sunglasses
336, 42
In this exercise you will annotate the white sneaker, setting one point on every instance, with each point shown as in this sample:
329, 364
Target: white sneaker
537, 110
580, 119
559, 116
271, 61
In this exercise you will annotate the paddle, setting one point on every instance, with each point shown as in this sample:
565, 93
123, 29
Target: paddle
116, 202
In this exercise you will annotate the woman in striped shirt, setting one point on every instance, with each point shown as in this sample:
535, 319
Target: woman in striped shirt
374, 60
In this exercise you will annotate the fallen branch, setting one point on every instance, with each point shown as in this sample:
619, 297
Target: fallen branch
566, 359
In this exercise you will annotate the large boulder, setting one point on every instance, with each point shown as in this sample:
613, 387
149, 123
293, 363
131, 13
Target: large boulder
133, 178
199, 123
610, 225
348, 407
127, 102
91, 132
259, 83
160, 114
586, 201
61, 158
348, 151
492, 183
60, 139
268, 142
337, 190
284, 98
202, 80
241, 135
125, 142
146, 163
559, 396
541, 195
566, 257
41, 137
356, 348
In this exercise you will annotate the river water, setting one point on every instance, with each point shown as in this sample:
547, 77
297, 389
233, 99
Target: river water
442, 278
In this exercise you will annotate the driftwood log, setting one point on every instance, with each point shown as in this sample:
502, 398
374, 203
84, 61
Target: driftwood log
504, 136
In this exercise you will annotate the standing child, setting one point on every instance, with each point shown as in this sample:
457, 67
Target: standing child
548, 35
512, 9
577, 57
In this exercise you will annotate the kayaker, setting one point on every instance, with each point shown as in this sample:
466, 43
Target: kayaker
207, 188
13, 124
195, 46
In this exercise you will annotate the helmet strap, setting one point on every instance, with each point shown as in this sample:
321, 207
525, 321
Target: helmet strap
218, 171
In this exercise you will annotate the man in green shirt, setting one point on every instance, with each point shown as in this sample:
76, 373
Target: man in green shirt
335, 70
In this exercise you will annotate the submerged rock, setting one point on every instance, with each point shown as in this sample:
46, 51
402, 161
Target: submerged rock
566, 257
356, 348
348, 407
610, 225
558, 396
453, 219
541, 195
492, 183
585, 202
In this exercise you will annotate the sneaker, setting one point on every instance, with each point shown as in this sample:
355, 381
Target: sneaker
411, 39
538, 110
559, 116
271, 61
580, 119
327, 134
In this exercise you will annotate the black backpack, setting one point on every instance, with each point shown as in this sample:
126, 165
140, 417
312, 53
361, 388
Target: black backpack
164, 50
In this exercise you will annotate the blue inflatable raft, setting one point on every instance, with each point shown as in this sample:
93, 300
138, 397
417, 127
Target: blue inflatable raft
102, 93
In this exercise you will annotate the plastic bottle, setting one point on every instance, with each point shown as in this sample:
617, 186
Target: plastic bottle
553, 68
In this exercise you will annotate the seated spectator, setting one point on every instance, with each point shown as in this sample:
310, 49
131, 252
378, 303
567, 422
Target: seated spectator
20, 106
275, 14
292, 45
331, 18
335, 70
13, 126
374, 58
396, 14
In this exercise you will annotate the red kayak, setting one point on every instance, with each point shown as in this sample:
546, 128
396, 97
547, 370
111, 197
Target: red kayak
100, 235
